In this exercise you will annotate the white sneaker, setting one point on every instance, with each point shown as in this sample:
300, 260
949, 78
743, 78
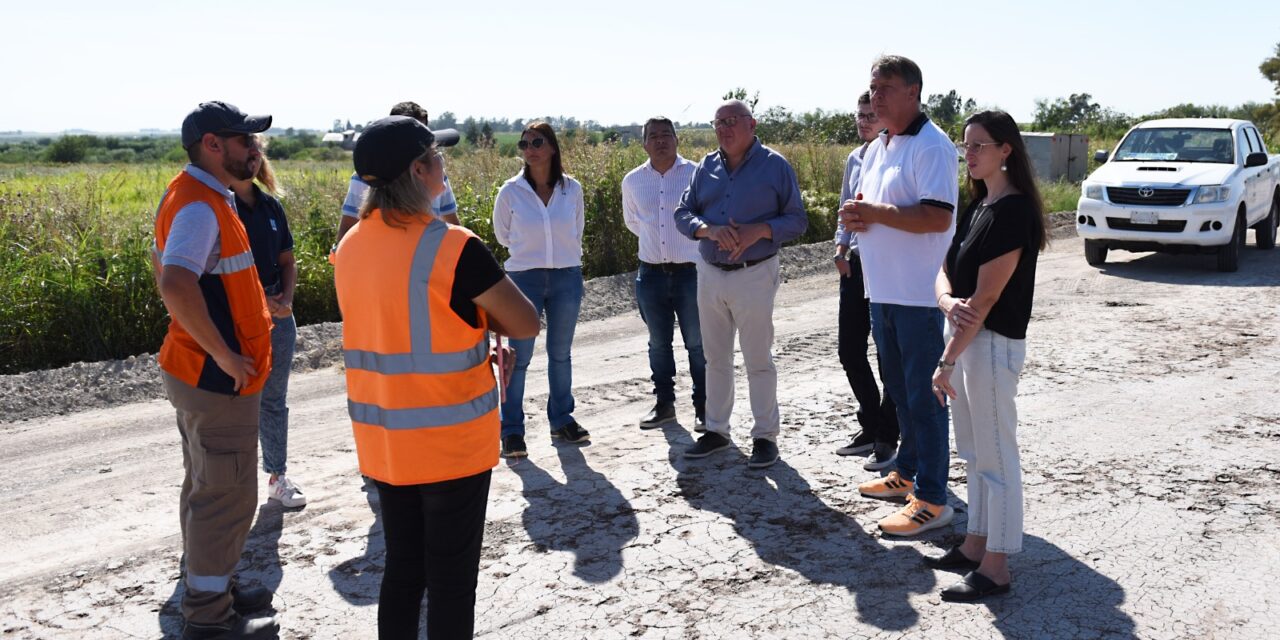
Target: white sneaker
285, 492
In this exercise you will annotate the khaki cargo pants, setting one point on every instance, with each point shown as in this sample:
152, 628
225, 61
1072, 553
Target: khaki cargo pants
219, 493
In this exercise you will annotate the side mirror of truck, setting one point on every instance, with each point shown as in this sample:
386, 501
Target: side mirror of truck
1100, 156
1255, 160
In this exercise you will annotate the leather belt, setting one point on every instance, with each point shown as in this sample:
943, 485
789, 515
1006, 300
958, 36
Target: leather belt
741, 265
668, 267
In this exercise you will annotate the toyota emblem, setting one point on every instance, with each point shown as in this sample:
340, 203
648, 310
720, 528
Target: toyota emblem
1146, 192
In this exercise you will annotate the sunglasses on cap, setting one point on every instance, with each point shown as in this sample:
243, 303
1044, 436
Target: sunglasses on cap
536, 143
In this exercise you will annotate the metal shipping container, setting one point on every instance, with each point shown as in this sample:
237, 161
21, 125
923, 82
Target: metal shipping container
1058, 156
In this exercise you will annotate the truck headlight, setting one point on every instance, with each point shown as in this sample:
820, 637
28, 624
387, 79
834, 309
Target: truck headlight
1215, 193
1093, 191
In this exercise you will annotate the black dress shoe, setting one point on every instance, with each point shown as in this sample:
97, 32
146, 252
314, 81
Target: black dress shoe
661, 413
972, 588
236, 628
251, 599
952, 560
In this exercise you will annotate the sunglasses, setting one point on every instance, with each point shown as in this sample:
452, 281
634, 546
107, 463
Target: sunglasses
536, 143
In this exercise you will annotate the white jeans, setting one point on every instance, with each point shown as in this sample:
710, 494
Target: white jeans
740, 301
985, 420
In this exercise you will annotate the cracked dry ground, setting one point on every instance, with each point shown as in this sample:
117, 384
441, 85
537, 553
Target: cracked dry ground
1150, 444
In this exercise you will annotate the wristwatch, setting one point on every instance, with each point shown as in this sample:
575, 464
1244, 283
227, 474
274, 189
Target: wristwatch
946, 366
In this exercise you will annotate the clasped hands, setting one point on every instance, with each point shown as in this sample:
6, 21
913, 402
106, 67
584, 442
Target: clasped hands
857, 215
737, 238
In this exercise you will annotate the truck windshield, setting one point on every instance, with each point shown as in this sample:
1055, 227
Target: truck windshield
1177, 145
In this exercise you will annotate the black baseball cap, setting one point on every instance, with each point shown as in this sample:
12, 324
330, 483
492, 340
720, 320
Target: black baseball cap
219, 117
387, 147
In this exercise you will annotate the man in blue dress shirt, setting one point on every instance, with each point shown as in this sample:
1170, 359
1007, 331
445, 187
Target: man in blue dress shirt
742, 205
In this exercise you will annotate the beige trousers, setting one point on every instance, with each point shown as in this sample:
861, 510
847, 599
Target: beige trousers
740, 302
219, 492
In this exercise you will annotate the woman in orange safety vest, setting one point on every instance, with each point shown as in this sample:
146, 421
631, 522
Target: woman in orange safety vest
418, 298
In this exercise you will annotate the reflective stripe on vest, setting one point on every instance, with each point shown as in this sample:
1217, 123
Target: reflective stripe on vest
425, 417
235, 263
421, 359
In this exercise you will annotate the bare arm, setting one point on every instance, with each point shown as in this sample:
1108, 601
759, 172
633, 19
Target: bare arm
451, 218
180, 290
344, 226
857, 215
969, 314
510, 313
281, 305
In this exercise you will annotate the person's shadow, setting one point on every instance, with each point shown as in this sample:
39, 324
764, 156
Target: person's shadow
777, 512
587, 515
259, 565
359, 579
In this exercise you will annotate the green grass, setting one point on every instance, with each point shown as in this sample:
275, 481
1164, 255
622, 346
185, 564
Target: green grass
75, 276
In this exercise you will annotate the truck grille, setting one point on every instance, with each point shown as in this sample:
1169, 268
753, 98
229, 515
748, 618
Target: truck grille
1157, 197
1164, 226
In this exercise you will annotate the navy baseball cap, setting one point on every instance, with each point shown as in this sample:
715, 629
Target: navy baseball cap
220, 117
387, 147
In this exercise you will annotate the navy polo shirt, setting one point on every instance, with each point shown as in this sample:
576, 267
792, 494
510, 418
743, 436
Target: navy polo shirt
269, 235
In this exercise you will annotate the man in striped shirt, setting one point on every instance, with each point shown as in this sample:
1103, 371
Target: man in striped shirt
443, 206
667, 281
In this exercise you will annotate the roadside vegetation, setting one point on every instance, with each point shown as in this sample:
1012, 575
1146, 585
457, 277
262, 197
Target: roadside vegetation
76, 212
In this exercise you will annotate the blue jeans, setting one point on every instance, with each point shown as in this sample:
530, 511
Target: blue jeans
664, 297
558, 293
909, 341
273, 421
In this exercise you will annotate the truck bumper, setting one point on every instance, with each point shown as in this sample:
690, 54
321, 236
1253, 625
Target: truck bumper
1188, 228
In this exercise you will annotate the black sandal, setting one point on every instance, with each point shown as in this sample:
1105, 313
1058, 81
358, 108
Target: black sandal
952, 560
973, 587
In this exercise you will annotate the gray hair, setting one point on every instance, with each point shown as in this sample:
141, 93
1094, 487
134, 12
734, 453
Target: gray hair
402, 198
644, 131
899, 67
736, 103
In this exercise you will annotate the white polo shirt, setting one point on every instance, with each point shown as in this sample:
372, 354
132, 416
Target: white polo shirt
649, 201
540, 236
917, 166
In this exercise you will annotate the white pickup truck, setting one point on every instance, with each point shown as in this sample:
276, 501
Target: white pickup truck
1191, 185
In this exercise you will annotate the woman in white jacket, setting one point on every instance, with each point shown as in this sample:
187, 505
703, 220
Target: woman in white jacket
538, 216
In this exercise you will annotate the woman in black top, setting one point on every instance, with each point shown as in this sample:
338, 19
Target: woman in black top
985, 289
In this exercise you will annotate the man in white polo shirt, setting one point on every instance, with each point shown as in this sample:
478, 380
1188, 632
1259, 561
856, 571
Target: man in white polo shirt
667, 281
904, 223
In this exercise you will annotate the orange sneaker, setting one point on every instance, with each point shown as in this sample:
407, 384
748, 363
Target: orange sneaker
917, 517
890, 486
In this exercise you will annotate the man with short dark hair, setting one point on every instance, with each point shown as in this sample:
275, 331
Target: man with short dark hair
667, 280
742, 204
444, 206
214, 362
876, 413
904, 224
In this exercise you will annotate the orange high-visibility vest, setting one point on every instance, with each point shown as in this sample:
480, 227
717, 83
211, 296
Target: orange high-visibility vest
232, 292
420, 389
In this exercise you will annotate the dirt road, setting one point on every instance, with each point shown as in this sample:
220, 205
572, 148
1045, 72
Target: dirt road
1151, 452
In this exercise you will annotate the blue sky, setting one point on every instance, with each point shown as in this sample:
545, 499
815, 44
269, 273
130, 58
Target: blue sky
126, 65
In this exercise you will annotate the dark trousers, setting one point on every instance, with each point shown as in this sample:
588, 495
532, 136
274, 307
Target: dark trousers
665, 297
434, 533
876, 412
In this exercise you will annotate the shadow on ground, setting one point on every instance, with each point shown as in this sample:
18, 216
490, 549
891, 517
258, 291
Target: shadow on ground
586, 515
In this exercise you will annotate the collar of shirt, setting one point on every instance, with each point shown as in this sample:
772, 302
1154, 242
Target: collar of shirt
208, 180
752, 152
911, 130
680, 162
521, 183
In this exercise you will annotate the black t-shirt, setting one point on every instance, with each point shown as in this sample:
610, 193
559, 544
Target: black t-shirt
269, 235
986, 232
477, 272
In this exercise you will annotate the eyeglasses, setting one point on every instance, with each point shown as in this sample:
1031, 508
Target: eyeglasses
974, 147
246, 140
536, 143
866, 117
731, 121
